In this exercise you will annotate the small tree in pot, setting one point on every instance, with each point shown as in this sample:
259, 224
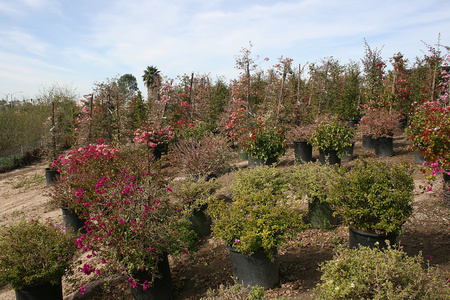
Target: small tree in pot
374, 198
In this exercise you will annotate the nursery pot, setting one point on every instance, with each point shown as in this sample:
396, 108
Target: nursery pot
242, 155
72, 222
321, 214
348, 153
384, 146
256, 162
329, 156
367, 142
159, 150
302, 151
418, 158
201, 222
254, 269
162, 286
50, 175
367, 239
40, 291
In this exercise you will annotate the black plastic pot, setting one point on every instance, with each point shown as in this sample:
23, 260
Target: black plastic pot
41, 291
162, 286
302, 151
73, 223
384, 146
329, 156
348, 153
50, 175
255, 269
367, 239
256, 162
321, 215
418, 158
201, 222
367, 142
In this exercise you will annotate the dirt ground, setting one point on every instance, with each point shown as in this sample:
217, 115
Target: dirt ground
23, 193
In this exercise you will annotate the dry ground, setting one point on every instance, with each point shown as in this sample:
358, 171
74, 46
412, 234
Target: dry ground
23, 192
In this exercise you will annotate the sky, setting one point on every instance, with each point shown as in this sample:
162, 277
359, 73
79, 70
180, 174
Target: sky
78, 43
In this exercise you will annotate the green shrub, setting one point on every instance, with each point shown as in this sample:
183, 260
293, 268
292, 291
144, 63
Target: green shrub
374, 196
366, 273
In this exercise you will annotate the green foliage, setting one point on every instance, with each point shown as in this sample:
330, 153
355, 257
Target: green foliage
374, 196
366, 273
261, 215
21, 127
313, 180
33, 252
266, 143
332, 134
236, 292
194, 193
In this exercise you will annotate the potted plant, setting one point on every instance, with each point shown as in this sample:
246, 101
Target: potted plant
367, 273
301, 136
34, 256
255, 223
265, 145
332, 137
80, 170
380, 124
313, 181
375, 200
156, 137
429, 130
194, 195
135, 230
208, 156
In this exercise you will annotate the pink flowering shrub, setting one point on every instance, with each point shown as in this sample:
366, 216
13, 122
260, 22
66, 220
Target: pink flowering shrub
82, 169
135, 224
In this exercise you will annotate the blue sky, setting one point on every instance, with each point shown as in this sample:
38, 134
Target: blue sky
80, 42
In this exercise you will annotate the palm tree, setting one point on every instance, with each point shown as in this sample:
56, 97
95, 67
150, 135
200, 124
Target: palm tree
151, 79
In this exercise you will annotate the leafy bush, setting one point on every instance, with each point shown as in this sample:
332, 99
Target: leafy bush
194, 193
366, 273
261, 215
374, 196
265, 143
331, 134
235, 292
33, 252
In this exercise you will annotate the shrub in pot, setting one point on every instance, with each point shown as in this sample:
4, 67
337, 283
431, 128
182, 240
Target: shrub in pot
194, 195
374, 198
314, 180
81, 169
332, 137
380, 124
136, 229
265, 144
209, 156
371, 273
256, 222
34, 256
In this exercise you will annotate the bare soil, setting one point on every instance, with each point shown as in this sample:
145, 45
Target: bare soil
23, 192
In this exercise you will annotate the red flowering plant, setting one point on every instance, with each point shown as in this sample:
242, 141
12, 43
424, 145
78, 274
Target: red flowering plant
135, 227
430, 131
79, 171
